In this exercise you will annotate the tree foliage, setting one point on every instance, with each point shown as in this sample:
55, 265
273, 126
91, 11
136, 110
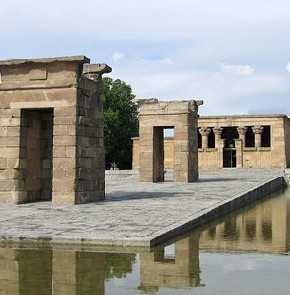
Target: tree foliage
121, 122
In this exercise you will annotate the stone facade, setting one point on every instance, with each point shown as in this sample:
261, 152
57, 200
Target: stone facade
261, 141
156, 116
51, 130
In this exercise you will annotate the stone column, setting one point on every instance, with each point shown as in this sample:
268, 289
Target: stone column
219, 144
204, 132
242, 134
135, 154
217, 134
239, 153
258, 130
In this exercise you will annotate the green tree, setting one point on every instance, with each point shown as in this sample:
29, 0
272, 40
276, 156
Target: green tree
121, 122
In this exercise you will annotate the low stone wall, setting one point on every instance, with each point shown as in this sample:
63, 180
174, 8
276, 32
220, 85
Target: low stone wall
120, 175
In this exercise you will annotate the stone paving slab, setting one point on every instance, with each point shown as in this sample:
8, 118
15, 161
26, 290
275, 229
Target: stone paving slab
135, 213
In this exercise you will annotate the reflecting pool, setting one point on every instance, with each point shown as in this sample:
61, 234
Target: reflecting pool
244, 252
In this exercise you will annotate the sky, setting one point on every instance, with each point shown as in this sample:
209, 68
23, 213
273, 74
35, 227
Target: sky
232, 54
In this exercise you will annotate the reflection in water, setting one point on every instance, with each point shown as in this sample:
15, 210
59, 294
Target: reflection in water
263, 227
231, 231
181, 272
251, 231
29, 272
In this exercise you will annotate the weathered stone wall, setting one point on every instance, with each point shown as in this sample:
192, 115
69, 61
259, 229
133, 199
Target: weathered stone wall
90, 141
36, 143
51, 131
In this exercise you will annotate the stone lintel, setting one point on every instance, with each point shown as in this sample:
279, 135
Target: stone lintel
41, 73
96, 69
154, 107
142, 101
16, 62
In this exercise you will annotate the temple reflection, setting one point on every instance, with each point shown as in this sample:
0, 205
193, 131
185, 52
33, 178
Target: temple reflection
261, 227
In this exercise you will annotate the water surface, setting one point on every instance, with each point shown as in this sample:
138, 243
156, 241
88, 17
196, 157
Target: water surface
245, 252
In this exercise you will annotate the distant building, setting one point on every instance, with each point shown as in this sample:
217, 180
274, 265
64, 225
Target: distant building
245, 141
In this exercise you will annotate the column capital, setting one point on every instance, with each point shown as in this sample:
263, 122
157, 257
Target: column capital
204, 131
242, 130
258, 129
218, 130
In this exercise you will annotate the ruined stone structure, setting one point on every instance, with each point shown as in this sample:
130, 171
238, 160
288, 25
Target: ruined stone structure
261, 141
154, 117
51, 130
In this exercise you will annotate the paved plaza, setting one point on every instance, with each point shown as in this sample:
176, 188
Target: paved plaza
136, 213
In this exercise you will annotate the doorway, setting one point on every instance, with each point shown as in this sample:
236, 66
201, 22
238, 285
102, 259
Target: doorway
229, 158
229, 151
36, 145
159, 150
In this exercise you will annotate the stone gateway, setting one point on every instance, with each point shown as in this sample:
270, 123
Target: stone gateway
154, 117
51, 130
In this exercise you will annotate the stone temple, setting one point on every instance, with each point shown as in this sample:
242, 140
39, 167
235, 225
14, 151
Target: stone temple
51, 130
240, 141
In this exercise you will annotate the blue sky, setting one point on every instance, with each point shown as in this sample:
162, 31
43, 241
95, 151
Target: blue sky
233, 54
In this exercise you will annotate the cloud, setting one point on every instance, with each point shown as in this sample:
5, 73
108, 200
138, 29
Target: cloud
244, 265
175, 55
242, 70
118, 56
235, 90
167, 61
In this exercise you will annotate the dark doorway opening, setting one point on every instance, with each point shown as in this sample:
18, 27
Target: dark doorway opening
36, 145
229, 158
249, 137
266, 136
229, 151
211, 139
